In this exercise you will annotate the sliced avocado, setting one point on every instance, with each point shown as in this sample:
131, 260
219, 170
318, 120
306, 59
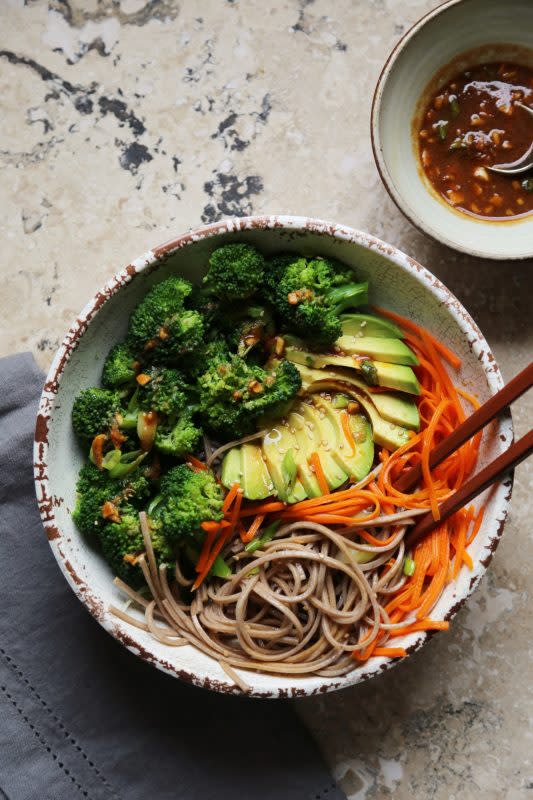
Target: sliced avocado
392, 406
397, 408
308, 441
275, 445
231, 467
256, 481
397, 376
369, 325
359, 463
390, 376
329, 440
385, 433
393, 351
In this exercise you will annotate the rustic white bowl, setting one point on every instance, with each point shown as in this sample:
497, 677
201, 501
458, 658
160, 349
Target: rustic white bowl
430, 45
396, 281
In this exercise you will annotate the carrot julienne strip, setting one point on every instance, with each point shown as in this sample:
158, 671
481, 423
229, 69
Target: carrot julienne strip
347, 430
195, 462
390, 652
230, 497
248, 535
320, 475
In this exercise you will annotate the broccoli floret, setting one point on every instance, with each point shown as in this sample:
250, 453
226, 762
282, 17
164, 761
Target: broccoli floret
274, 270
161, 329
233, 394
163, 392
93, 412
123, 541
235, 271
187, 499
119, 369
178, 436
210, 354
311, 294
95, 488
250, 327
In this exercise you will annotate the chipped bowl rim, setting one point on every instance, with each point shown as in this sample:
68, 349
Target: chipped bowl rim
151, 259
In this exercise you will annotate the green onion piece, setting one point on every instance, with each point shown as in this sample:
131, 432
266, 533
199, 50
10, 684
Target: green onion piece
409, 567
527, 184
289, 469
220, 569
369, 373
111, 459
309, 362
266, 536
127, 463
442, 129
340, 401
153, 504
454, 105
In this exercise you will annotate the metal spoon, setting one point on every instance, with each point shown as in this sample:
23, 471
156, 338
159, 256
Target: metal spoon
521, 164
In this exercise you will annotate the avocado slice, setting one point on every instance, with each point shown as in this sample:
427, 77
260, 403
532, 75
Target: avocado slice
369, 325
329, 440
393, 351
275, 444
231, 467
358, 464
392, 406
397, 376
389, 376
385, 433
308, 442
256, 481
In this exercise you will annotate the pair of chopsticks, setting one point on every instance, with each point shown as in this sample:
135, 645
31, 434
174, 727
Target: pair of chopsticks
516, 453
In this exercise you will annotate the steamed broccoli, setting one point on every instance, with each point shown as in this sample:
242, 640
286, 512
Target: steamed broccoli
178, 435
235, 271
94, 411
161, 390
161, 328
187, 499
311, 294
99, 496
250, 327
233, 394
122, 542
274, 270
119, 367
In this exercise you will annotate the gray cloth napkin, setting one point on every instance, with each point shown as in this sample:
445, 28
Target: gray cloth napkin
80, 717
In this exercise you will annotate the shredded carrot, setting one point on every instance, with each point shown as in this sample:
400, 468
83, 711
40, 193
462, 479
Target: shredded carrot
230, 497
195, 462
320, 475
248, 535
222, 539
391, 652
421, 625
477, 526
347, 429
208, 543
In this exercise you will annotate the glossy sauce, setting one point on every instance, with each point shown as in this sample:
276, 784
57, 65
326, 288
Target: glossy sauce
474, 122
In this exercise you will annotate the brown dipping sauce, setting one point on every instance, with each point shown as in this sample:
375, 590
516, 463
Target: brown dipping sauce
472, 122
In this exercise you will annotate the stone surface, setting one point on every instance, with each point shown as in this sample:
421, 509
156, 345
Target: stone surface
127, 122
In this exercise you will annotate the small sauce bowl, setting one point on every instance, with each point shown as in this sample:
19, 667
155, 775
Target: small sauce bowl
448, 40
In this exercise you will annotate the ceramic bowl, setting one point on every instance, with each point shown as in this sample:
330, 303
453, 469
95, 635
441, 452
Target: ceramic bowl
482, 30
397, 281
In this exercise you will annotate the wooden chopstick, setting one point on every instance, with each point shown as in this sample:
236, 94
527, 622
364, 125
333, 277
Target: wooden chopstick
474, 486
475, 422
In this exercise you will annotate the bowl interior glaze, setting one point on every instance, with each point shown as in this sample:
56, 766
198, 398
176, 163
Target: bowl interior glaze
396, 281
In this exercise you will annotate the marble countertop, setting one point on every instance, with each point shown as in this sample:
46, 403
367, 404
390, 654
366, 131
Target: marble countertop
126, 122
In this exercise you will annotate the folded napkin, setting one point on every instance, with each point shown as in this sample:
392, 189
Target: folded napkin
81, 717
